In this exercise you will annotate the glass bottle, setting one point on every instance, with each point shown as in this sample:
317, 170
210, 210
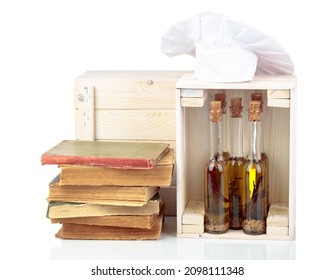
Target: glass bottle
258, 96
254, 176
236, 163
216, 185
222, 126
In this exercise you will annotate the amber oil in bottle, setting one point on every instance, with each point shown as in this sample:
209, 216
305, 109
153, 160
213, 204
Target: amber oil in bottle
254, 176
236, 163
216, 193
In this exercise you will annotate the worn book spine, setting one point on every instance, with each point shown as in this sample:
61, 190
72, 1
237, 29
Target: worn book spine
90, 232
115, 221
128, 221
75, 210
100, 161
123, 155
95, 176
107, 195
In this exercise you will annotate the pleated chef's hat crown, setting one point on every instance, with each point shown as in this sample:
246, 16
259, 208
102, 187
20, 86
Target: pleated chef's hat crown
226, 50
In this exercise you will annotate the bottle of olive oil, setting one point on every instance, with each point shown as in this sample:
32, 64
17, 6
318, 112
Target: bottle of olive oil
216, 193
254, 177
236, 163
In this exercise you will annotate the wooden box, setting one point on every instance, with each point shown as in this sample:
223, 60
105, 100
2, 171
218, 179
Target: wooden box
193, 147
172, 107
128, 106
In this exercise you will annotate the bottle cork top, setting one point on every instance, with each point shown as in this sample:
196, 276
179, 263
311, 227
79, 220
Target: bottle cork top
222, 98
236, 107
215, 111
258, 96
254, 111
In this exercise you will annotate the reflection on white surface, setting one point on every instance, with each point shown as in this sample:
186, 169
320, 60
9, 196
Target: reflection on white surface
169, 247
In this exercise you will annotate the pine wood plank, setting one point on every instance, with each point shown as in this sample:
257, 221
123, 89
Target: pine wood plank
277, 102
278, 215
188, 81
85, 113
193, 93
278, 93
281, 231
135, 124
193, 229
134, 95
237, 235
182, 186
194, 213
194, 101
292, 163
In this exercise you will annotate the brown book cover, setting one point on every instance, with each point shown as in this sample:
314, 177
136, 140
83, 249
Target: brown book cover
90, 232
60, 210
115, 221
160, 175
127, 221
107, 195
126, 155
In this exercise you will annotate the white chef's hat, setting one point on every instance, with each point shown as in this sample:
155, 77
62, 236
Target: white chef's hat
226, 50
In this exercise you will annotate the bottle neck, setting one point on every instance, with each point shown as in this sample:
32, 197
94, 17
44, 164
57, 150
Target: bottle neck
236, 138
254, 140
222, 124
214, 137
260, 136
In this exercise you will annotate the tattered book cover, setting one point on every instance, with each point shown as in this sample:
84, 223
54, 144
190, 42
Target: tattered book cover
126, 155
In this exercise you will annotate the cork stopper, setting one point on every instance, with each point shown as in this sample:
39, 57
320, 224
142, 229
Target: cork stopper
258, 96
236, 107
215, 111
254, 111
222, 98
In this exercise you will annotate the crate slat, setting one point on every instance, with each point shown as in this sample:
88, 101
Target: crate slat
85, 113
135, 124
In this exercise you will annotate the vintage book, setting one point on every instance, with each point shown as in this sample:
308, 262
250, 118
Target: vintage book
128, 221
108, 195
85, 232
115, 221
127, 155
76, 210
160, 175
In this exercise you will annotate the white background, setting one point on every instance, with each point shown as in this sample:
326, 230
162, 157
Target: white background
46, 44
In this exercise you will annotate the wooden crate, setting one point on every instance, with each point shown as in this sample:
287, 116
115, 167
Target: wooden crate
172, 107
193, 145
128, 106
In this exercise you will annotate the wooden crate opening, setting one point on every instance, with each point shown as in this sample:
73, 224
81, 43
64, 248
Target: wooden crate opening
193, 147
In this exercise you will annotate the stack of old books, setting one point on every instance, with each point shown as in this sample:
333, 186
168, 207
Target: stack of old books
108, 190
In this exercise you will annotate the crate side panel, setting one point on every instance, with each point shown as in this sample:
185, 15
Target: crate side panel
276, 142
135, 124
198, 150
134, 95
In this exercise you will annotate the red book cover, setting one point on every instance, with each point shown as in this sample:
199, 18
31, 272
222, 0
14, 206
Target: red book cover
127, 155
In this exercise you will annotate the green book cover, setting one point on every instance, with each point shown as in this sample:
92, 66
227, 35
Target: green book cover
127, 155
